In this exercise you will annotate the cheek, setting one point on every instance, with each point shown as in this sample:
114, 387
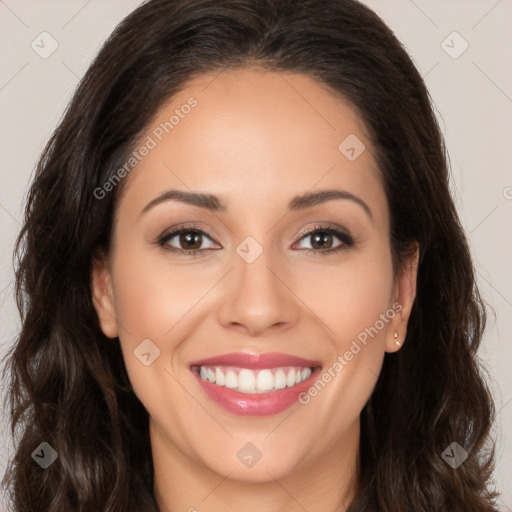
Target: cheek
149, 302
358, 311
351, 296
368, 295
152, 301
158, 300
152, 296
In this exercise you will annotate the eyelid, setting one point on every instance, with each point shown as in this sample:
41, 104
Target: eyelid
344, 236
177, 230
319, 226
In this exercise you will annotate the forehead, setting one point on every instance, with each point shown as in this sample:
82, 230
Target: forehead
252, 135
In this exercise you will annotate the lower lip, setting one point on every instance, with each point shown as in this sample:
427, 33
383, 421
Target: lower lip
255, 404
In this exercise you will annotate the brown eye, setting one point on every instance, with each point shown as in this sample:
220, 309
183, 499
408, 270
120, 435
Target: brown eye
186, 240
322, 239
190, 239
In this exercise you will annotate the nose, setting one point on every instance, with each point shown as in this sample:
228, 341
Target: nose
259, 297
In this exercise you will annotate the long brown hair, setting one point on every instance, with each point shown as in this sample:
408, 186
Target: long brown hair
68, 383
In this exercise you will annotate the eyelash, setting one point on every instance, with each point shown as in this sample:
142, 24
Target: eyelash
347, 240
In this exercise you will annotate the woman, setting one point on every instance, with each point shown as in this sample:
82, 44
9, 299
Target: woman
181, 348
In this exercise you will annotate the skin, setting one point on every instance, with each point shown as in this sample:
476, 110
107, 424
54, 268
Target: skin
256, 139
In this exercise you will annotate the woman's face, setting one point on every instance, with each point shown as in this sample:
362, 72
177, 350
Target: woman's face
268, 278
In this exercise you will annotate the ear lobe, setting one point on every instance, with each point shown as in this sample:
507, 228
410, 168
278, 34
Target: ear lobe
405, 293
103, 295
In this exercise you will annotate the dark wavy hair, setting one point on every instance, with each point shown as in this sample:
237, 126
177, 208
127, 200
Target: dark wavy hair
68, 385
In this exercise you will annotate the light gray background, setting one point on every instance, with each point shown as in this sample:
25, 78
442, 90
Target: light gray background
472, 95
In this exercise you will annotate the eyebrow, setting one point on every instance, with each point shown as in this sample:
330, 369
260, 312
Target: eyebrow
214, 203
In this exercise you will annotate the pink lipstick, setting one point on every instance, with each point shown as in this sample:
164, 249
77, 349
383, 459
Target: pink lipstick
249, 384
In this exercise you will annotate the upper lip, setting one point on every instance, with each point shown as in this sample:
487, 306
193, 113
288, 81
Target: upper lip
256, 361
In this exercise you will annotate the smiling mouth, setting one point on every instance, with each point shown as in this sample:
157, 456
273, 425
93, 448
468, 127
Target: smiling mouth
252, 381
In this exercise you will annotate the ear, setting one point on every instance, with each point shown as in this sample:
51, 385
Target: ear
404, 293
103, 295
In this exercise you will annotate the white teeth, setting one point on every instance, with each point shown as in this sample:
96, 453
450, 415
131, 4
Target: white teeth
246, 381
280, 379
255, 381
231, 379
219, 378
305, 373
265, 380
290, 379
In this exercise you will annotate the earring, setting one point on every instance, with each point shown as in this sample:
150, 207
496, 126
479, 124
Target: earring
397, 343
